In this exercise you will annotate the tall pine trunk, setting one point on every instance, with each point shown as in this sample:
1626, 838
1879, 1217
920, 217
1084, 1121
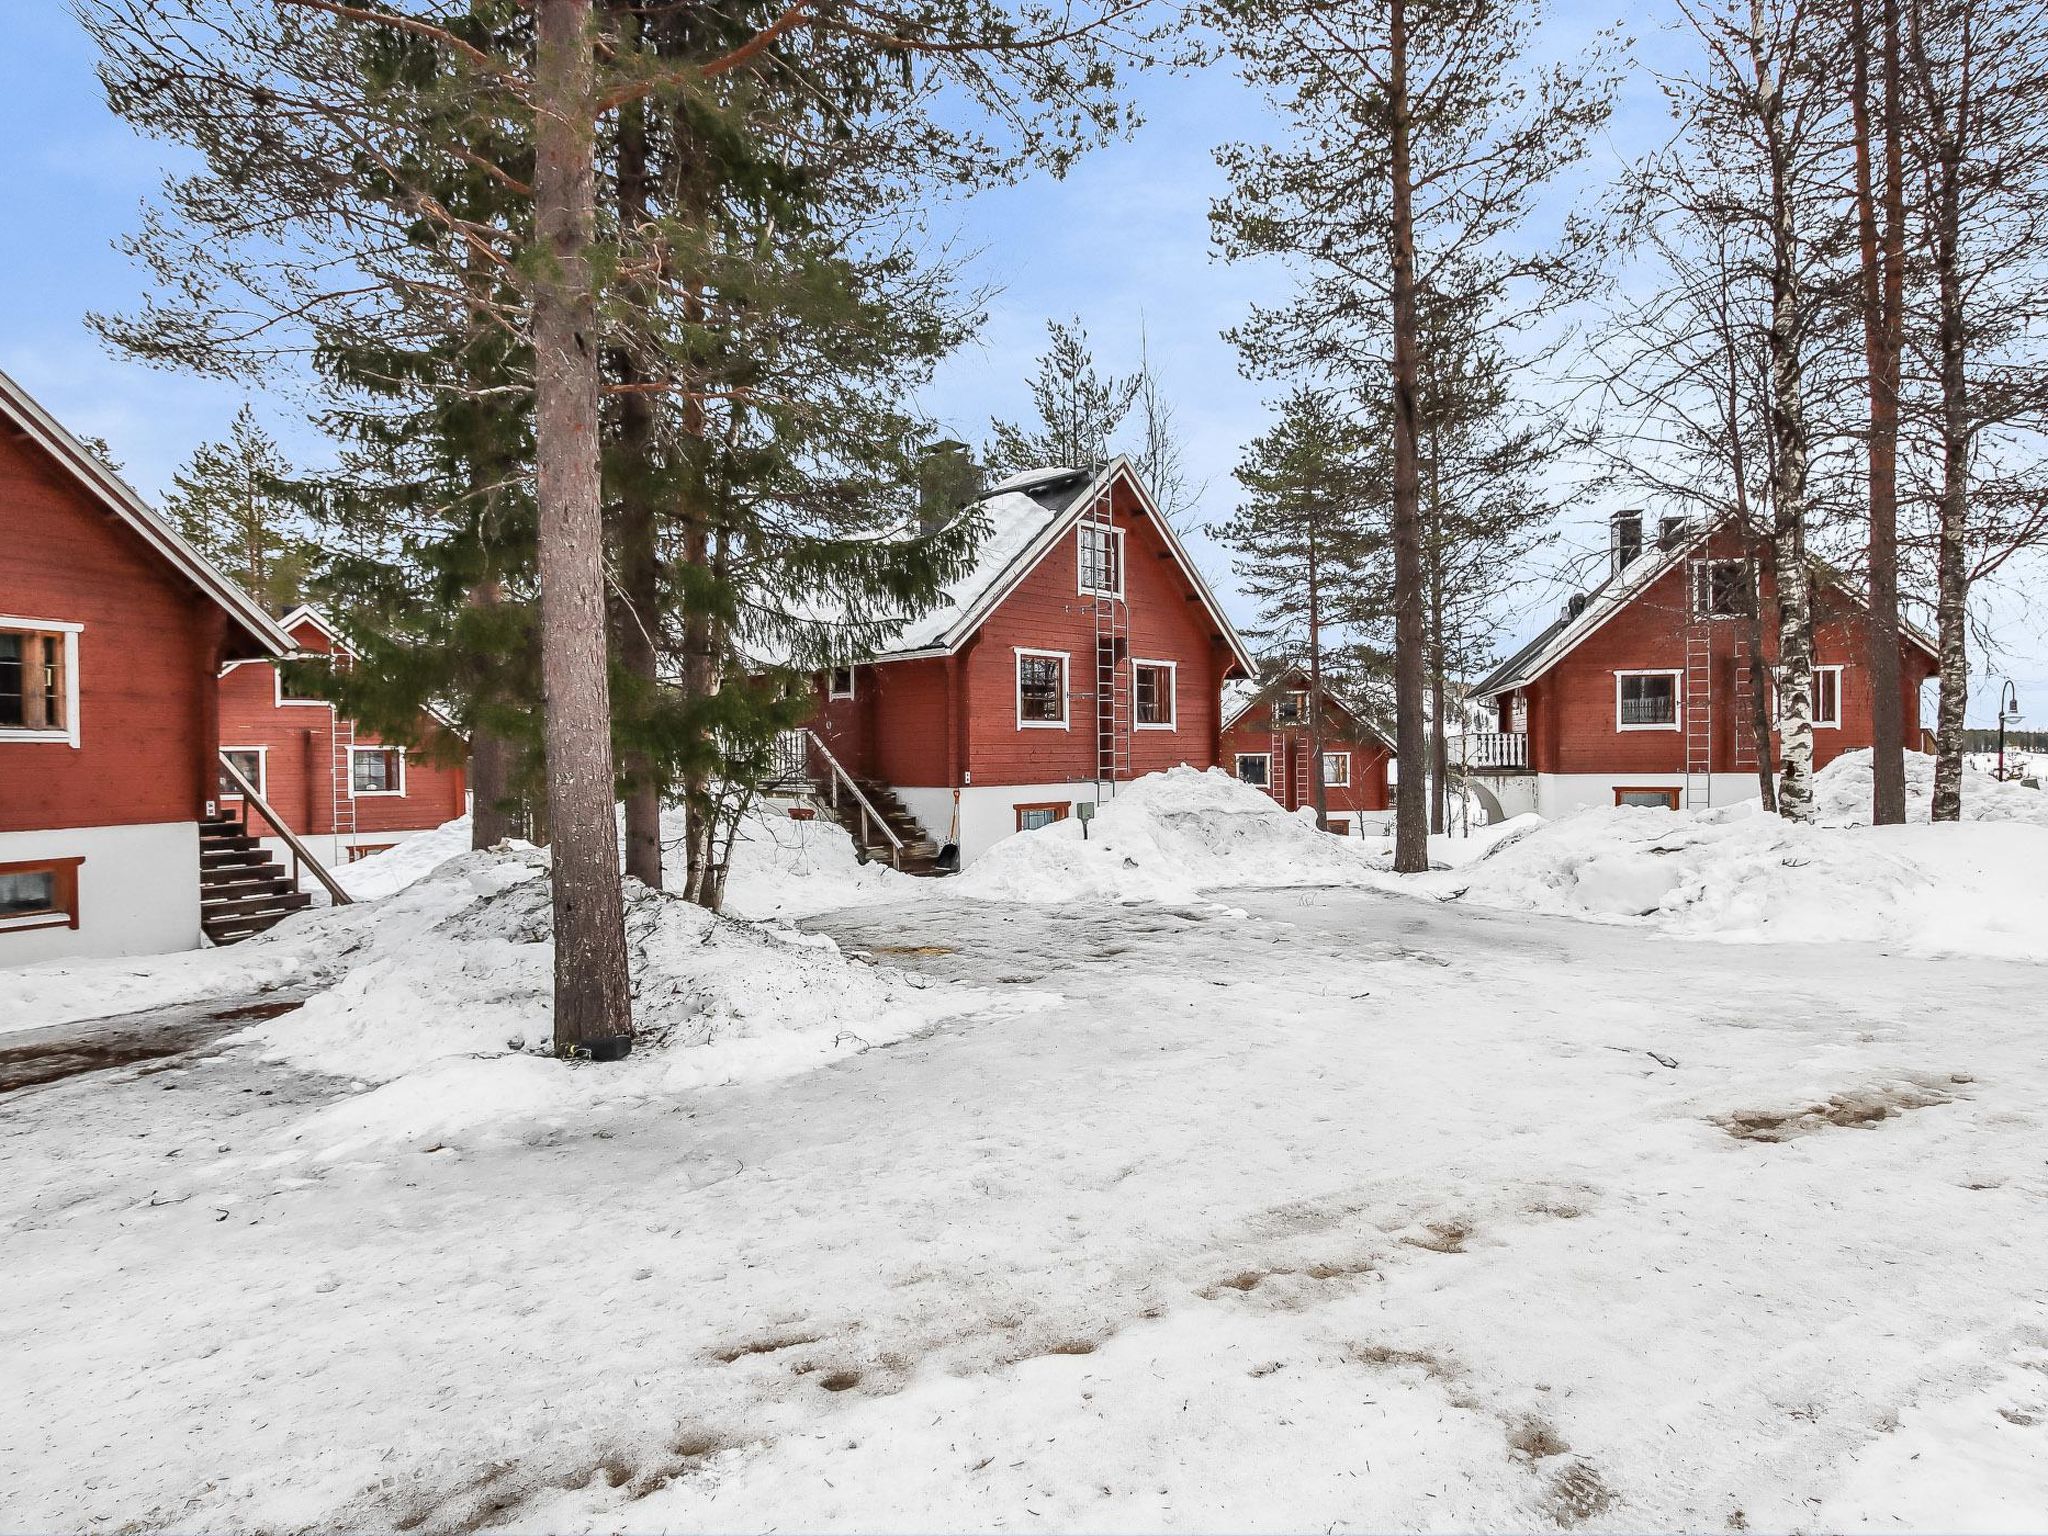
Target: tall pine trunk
1784, 340
491, 758
1315, 688
639, 599
1883, 284
1952, 571
1411, 824
593, 998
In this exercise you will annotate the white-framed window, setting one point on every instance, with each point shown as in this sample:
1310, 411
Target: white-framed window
841, 684
291, 677
376, 770
1041, 690
1825, 699
1657, 796
1721, 589
253, 763
39, 680
1041, 813
1155, 695
1646, 701
1337, 770
1099, 556
1291, 708
1255, 769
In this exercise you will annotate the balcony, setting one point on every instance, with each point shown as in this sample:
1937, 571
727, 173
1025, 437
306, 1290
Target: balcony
1495, 751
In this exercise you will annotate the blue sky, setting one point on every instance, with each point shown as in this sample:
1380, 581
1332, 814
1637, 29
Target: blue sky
1123, 242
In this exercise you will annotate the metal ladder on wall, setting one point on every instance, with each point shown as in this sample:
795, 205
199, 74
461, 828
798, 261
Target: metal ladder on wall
1744, 693
1699, 713
1112, 644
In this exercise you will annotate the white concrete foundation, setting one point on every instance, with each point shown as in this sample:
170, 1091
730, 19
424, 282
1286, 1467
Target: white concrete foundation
1560, 794
138, 891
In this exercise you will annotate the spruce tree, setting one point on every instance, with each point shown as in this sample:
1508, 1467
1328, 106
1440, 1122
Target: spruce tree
1080, 409
229, 502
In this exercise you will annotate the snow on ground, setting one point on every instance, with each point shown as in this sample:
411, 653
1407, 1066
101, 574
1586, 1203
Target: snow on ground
1345, 1213
1842, 793
383, 874
1164, 838
787, 869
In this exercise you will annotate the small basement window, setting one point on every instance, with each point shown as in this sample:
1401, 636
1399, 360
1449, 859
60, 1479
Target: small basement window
1042, 688
1340, 826
1667, 798
38, 680
42, 893
377, 770
1337, 769
1255, 769
1043, 814
1154, 686
1646, 701
248, 762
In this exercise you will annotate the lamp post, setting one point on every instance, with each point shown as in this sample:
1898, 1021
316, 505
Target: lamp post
2008, 709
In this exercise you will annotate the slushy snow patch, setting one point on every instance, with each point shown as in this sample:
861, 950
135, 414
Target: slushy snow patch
1164, 838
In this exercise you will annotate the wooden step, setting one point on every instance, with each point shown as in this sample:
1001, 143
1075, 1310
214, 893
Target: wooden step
243, 880
221, 858
254, 903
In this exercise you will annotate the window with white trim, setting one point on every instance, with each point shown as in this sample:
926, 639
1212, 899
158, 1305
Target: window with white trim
1042, 689
1337, 770
38, 681
377, 770
1255, 769
299, 678
1721, 589
249, 763
1152, 684
1101, 559
1827, 698
1646, 701
841, 686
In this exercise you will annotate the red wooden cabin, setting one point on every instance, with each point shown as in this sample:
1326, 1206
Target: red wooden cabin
112, 633
344, 790
1266, 742
1643, 690
1082, 651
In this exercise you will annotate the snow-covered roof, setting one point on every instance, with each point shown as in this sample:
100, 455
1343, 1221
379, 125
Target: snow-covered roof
1026, 515
119, 498
1565, 633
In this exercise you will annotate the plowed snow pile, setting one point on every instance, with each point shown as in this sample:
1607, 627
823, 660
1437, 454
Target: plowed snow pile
1738, 874
1164, 838
1841, 793
453, 1018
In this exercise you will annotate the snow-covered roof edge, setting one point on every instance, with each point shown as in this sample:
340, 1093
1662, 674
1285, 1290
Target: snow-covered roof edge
84, 466
1012, 575
1566, 634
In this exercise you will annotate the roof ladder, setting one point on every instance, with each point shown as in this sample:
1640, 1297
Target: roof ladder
1699, 714
1112, 644
1745, 707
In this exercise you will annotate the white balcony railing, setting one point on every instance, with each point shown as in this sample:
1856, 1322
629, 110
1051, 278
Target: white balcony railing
1496, 750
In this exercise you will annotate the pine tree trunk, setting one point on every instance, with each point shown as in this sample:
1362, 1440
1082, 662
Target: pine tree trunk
1883, 282
491, 758
1315, 690
638, 618
1411, 823
593, 998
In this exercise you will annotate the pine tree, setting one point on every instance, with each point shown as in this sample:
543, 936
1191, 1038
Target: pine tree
1297, 539
229, 503
1080, 410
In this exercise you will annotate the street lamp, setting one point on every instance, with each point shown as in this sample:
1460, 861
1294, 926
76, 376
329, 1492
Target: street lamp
2008, 709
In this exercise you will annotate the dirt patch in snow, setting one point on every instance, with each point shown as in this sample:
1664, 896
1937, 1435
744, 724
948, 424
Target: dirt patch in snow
1577, 1494
1442, 1237
763, 1347
1535, 1440
1859, 1108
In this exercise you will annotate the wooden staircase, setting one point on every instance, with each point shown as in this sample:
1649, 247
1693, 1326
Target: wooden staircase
243, 891
920, 854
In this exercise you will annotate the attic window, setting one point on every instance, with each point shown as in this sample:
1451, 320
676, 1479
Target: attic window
1102, 559
1721, 589
1291, 708
38, 681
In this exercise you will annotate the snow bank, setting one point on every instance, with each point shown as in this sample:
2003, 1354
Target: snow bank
1739, 874
452, 1018
1165, 837
794, 869
1841, 793
383, 874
